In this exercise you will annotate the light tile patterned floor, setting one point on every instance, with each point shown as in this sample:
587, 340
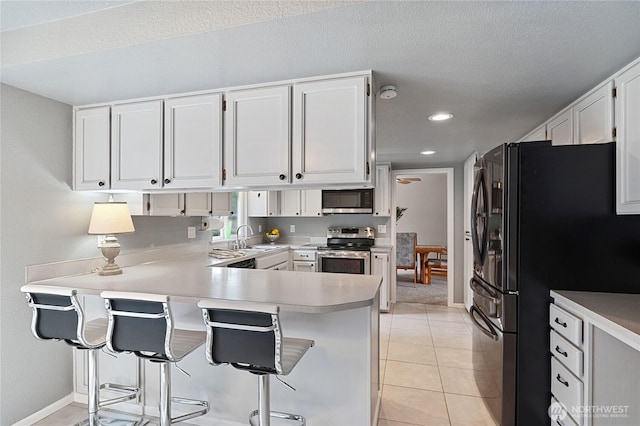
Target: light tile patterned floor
427, 370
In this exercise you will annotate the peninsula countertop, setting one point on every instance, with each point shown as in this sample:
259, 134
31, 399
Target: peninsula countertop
192, 277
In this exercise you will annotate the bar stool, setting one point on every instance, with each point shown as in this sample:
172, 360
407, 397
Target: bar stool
142, 323
248, 336
58, 315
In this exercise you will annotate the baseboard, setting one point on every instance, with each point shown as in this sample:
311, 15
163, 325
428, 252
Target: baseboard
457, 305
46, 411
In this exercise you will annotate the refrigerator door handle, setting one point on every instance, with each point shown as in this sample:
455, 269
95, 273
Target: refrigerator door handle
479, 204
482, 291
489, 330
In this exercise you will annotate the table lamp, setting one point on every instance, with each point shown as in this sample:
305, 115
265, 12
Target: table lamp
109, 218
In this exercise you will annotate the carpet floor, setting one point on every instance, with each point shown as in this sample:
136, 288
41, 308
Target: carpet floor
434, 294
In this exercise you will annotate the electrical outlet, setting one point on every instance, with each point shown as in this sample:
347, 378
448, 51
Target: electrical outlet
382, 229
259, 228
191, 232
292, 228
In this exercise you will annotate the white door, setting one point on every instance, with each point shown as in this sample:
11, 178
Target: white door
290, 203
382, 193
330, 131
468, 245
91, 139
593, 116
380, 266
311, 202
628, 141
166, 205
136, 146
193, 142
257, 136
560, 129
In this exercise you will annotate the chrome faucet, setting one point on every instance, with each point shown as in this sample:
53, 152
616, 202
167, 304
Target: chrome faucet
241, 244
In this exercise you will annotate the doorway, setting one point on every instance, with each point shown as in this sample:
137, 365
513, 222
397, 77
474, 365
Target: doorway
424, 193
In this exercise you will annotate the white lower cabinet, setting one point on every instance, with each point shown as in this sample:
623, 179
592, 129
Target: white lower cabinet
380, 265
276, 261
304, 260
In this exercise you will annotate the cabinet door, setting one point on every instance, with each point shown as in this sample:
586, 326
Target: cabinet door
197, 203
221, 204
136, 149
311, 202
166, 205
193, 142
304, 266
330, 131
262, 203
468, 246
593, 116
290, 203
257, 137
538, 134
382, 196
628, 141
91, 144
560, 129
380, 266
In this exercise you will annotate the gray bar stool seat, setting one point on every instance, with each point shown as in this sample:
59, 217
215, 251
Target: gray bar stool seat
142, 323
248, 336
58, 315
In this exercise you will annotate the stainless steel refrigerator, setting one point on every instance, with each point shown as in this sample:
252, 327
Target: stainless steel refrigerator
543, 217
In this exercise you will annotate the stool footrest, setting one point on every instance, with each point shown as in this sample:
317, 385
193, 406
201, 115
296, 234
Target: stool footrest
194, 402
277, 414
116, 419
128, 393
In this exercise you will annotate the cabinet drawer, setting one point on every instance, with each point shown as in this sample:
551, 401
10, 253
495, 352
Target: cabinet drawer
567, 389
566, 324
306, 255
563, 418
570, 356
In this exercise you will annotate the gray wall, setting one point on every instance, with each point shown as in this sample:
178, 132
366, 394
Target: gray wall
317, 226
42, 220
426, 203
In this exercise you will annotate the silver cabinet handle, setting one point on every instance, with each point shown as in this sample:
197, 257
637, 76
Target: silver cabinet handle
557, 321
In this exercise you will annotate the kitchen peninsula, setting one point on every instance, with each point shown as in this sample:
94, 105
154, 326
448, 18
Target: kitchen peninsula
337, 382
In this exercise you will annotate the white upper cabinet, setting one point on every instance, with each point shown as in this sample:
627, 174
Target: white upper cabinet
311, 202
221, 204
593, 116
91, 145
560, 128
136, 146
330, 140
166, 205
262, 203
193, 142
382, 193
537, 134
627, 106
290, 203
257, 137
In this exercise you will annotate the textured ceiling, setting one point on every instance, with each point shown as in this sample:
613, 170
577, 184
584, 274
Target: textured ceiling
500, 67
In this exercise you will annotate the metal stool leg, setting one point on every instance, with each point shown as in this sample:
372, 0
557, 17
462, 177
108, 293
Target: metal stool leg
264, 412
165, 394
93, 389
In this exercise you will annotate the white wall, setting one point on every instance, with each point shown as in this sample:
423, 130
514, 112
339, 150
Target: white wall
426, 203
42, 220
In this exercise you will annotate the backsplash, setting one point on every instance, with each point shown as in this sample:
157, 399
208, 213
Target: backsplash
317, 226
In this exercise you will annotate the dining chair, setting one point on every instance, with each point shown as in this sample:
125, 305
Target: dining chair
437, 267
406, 252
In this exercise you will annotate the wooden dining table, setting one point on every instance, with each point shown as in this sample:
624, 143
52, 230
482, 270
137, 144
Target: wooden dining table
423, 252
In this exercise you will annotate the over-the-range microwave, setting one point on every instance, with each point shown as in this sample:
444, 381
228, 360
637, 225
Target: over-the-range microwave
347, 201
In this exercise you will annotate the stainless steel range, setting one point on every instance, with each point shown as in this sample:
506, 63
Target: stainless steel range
347, 250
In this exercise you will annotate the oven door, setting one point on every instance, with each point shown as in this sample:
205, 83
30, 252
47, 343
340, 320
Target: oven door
345, 262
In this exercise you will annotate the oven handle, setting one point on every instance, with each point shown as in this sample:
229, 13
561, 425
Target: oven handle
489, 331
484, 292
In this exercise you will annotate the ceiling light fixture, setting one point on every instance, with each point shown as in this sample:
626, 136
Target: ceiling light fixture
387, 92
427, 152
441, 116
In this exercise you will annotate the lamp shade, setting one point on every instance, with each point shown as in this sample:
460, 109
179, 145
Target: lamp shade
110, 218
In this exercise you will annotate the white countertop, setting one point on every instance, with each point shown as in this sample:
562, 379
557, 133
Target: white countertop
189, 279
617, 314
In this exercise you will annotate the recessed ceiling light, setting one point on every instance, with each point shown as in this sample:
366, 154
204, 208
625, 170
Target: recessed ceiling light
427, 152
441, 116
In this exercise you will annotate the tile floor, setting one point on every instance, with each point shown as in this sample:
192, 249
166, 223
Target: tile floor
426, 367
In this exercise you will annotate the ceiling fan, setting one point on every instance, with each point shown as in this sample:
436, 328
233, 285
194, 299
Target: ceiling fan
407, 180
